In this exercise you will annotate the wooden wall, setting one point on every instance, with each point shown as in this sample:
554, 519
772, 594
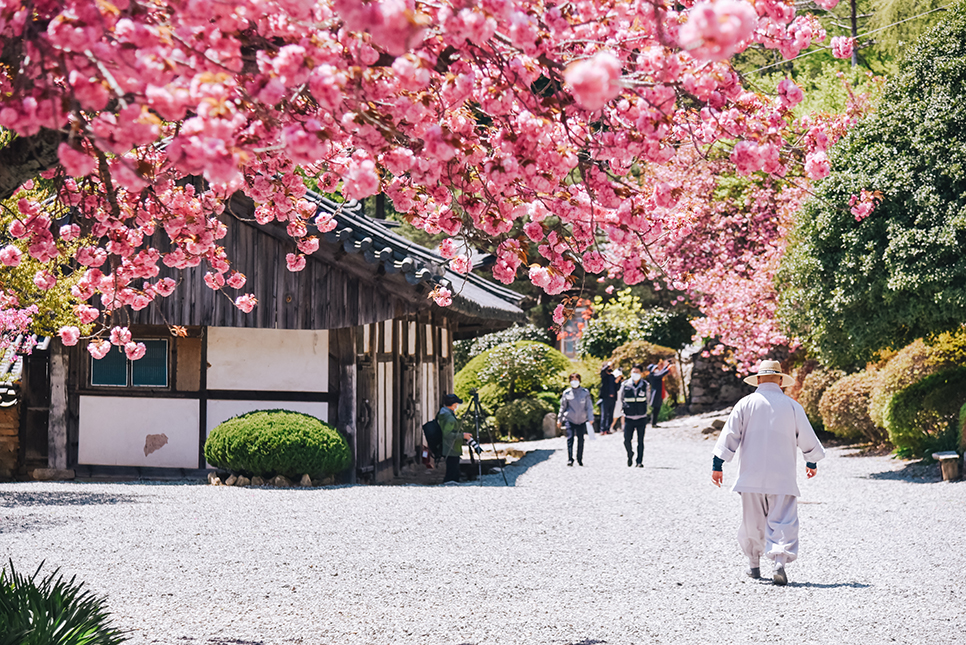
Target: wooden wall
330, 293
9, 441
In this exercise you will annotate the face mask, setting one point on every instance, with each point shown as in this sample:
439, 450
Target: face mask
575, 384
635, 377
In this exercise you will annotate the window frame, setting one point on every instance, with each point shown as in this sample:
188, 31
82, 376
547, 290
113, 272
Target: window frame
129, 372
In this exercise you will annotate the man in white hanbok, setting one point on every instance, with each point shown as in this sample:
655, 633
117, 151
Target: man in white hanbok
768, 427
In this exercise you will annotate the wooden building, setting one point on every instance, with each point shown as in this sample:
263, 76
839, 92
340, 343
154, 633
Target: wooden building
353, 339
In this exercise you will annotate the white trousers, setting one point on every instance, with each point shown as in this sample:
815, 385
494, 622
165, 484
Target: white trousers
769, 527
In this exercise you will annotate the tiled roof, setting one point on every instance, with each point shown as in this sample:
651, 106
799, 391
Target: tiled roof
378, 244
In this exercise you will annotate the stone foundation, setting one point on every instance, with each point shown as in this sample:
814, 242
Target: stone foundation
714, 385
9, 441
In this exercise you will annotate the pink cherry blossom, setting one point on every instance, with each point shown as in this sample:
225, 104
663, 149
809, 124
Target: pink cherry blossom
295, 263
236, 280
595, 81
461, 264
120, 336
135, 351
842, 46
246, 302
559, 314
10, 256
45, 280
442, 296
447, 248
716, 29
827, 4
69, 335
98, 348
790, 93
817, 165
75, 162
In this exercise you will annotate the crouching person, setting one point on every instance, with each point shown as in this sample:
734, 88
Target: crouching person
768, 428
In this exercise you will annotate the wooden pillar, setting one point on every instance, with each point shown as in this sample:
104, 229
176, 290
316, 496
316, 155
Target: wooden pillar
344, 345
57, 421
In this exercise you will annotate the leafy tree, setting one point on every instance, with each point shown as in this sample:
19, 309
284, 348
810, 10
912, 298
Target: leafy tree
855, 282
523, 368
464, 350
622, 319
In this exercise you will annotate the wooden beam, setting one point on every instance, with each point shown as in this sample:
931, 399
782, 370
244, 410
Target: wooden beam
57, 421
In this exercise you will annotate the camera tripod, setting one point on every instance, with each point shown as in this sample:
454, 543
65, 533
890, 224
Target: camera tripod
477, 411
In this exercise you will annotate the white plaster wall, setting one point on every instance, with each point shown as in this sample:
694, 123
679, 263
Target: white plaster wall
220, 410
113, 431
268, 359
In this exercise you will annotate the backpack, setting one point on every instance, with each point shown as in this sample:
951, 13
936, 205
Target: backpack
434, 438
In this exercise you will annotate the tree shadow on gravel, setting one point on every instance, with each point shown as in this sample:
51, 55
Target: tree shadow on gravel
63, 498
516, 469
830, 585
29, 523
917, 472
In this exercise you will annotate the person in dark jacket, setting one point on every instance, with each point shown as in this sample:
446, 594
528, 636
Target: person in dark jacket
452, 438
576, 411
608, 397
656, 380
632, 401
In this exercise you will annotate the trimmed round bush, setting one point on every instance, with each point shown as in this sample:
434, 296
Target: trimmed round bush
277, 442
522, 418
845, 408
813, 387
519, 369
464, 350
924, 417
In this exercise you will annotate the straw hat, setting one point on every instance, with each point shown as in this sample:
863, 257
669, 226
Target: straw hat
770, 367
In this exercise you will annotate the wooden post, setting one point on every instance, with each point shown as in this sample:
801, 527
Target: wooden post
57, 423
949, 463
344, 341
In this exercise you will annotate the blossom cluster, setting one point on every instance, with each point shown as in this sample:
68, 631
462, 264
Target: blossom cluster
475, 115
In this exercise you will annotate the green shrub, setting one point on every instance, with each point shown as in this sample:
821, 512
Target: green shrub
962, 428
468, 378
550, 398
909, 365
813, 387
464, 350
522, 418
523, 368
923, 417
844, 407
277, 442
52, 611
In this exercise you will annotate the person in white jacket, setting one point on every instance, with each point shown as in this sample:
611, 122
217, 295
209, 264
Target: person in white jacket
768, 428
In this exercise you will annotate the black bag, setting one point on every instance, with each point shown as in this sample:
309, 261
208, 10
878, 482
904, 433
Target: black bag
434, 438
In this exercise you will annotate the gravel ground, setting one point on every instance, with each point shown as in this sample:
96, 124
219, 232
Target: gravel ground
599, 554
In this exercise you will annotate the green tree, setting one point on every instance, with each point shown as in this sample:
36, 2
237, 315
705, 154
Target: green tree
851, 288
623, 319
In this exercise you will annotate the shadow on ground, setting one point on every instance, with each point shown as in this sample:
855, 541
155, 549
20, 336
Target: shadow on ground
917, 472
515, 470
63, 498
830, 585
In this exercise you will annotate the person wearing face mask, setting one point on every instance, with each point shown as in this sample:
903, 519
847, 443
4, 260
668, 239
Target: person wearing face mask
608, 396
576, 411
632, 400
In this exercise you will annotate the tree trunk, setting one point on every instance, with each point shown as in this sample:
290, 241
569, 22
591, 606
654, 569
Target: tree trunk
26, 157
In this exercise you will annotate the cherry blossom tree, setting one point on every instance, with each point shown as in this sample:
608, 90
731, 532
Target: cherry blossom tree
474, 118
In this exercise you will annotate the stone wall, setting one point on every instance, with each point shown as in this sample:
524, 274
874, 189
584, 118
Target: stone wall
9, 441
714, 385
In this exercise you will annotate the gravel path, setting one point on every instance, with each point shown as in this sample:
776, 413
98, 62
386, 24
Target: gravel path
599, 554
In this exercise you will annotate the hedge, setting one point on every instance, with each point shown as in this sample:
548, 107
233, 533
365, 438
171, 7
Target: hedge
277, 442
640, 351
844, 408
813, 387
923, 417
913, 363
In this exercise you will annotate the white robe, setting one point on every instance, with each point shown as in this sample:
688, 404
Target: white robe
767, 428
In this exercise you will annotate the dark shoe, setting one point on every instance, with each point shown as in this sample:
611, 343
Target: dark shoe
780, 577
640, 465
630, 462
580, 463
570, 463
754, 573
